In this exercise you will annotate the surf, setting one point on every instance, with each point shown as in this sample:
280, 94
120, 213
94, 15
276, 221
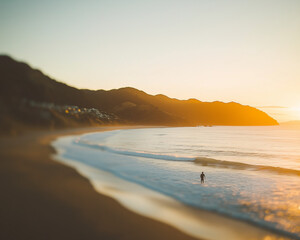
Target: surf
204, 161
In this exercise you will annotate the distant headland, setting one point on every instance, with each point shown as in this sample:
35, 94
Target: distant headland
29, 99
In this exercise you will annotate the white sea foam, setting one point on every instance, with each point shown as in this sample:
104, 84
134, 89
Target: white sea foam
149, 203
204, 161
135, 154
259, 189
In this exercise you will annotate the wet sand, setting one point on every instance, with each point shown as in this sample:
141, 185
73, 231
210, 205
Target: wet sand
43, 199
195, 222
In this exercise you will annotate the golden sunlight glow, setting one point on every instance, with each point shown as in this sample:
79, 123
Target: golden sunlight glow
211, 55
295, 111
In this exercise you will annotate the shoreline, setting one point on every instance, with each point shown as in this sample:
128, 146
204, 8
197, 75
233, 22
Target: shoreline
194, 222
44, 199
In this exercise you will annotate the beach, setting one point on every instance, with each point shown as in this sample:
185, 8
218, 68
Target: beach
141, 120
58, 185
155, 173
43, 199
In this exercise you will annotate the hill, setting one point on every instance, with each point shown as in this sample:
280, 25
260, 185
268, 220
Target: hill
187, 112
30, 99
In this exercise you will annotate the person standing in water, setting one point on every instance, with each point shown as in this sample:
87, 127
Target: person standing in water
202, 176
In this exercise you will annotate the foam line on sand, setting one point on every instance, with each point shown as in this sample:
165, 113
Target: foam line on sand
195, 222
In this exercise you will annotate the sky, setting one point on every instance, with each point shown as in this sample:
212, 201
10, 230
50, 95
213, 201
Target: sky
247, 51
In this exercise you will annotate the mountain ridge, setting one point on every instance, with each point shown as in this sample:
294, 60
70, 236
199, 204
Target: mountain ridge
20, 82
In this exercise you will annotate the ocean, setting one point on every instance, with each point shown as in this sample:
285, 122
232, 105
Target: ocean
252, 173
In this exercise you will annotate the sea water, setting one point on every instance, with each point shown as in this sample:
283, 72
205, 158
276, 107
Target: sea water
252, 173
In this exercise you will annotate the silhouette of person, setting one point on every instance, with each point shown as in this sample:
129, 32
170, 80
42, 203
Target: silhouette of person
202, 176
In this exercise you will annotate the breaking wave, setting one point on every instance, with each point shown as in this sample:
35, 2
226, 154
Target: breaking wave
203, 161
210, 162
136, 154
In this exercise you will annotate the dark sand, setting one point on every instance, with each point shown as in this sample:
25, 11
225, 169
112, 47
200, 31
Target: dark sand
43, 199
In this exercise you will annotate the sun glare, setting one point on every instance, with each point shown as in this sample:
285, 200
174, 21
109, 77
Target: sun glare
295, 109
295, 112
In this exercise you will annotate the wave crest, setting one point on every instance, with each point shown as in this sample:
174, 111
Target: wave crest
210, 162
204, 161
136, 154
